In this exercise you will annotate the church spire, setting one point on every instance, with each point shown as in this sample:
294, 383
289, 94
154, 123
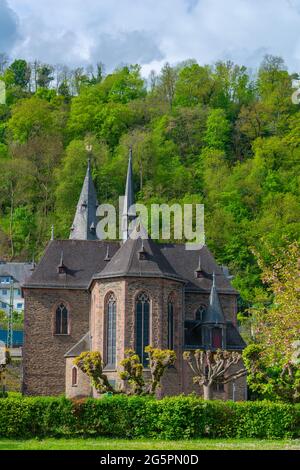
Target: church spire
214, 313
129, 212
85, 221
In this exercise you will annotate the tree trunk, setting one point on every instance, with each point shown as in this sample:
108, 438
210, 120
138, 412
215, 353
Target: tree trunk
207, 392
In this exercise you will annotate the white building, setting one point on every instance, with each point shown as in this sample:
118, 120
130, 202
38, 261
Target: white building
13, 275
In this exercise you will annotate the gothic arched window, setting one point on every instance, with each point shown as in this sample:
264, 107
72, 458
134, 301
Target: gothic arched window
61, 320
170, 325
200, 312
111, 331
142, 322
74, 377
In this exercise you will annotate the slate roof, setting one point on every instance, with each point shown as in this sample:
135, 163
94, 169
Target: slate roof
81, 258
86, 259
185, 262
85, 221
126, 261
19, 271
82, 346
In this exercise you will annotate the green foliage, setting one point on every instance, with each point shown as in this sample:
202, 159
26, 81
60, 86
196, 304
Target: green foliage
133, 372
18, 74
142, 417
159, 361
91, 364
217, 130
209, 131
277, 382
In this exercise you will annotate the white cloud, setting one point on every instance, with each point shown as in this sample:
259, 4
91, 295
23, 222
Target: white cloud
151, 32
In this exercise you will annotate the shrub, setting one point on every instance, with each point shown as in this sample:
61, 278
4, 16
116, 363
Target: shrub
181, 417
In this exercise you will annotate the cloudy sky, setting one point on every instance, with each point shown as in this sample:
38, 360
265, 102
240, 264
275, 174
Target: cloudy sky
150, 32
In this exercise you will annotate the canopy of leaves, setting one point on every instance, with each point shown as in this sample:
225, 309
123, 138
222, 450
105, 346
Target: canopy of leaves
214, 134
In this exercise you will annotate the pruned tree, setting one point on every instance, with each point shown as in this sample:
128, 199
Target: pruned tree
210, 368
133, 373
159, 361
91, 363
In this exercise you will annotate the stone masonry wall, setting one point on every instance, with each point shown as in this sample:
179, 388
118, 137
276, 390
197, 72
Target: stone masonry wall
126, 291
83, 387
44, 362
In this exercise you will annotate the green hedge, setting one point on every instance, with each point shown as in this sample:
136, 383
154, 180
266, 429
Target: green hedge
171, 418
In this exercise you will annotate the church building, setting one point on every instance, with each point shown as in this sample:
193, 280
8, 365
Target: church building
88, 294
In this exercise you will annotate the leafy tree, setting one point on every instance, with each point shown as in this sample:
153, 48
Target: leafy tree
279, 324
167, 84
18, 74
44, 76
194, 86
274, 382
217, 130
31, 117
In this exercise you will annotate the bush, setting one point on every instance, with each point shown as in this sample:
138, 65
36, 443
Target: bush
145, 417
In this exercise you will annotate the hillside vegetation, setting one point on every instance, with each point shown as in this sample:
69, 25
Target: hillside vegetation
217, 135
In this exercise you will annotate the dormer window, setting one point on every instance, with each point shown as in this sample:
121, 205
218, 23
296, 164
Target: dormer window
199, 271
199, 274
61, 268
142, 252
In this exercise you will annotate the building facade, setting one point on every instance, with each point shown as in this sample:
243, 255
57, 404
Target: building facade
90, 294
12, 276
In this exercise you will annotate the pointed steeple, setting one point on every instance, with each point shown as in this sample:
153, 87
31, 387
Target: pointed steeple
214, 313
85, 221
129, 212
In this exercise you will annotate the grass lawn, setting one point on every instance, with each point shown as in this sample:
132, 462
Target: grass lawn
115, 444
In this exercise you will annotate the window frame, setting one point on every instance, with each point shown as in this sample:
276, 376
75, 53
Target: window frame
171, 325
74, 383
201, 308
111, 300
57, 306
142, 298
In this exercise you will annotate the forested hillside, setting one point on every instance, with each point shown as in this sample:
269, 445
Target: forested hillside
220, 135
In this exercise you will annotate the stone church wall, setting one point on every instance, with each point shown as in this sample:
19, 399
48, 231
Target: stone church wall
44, 362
